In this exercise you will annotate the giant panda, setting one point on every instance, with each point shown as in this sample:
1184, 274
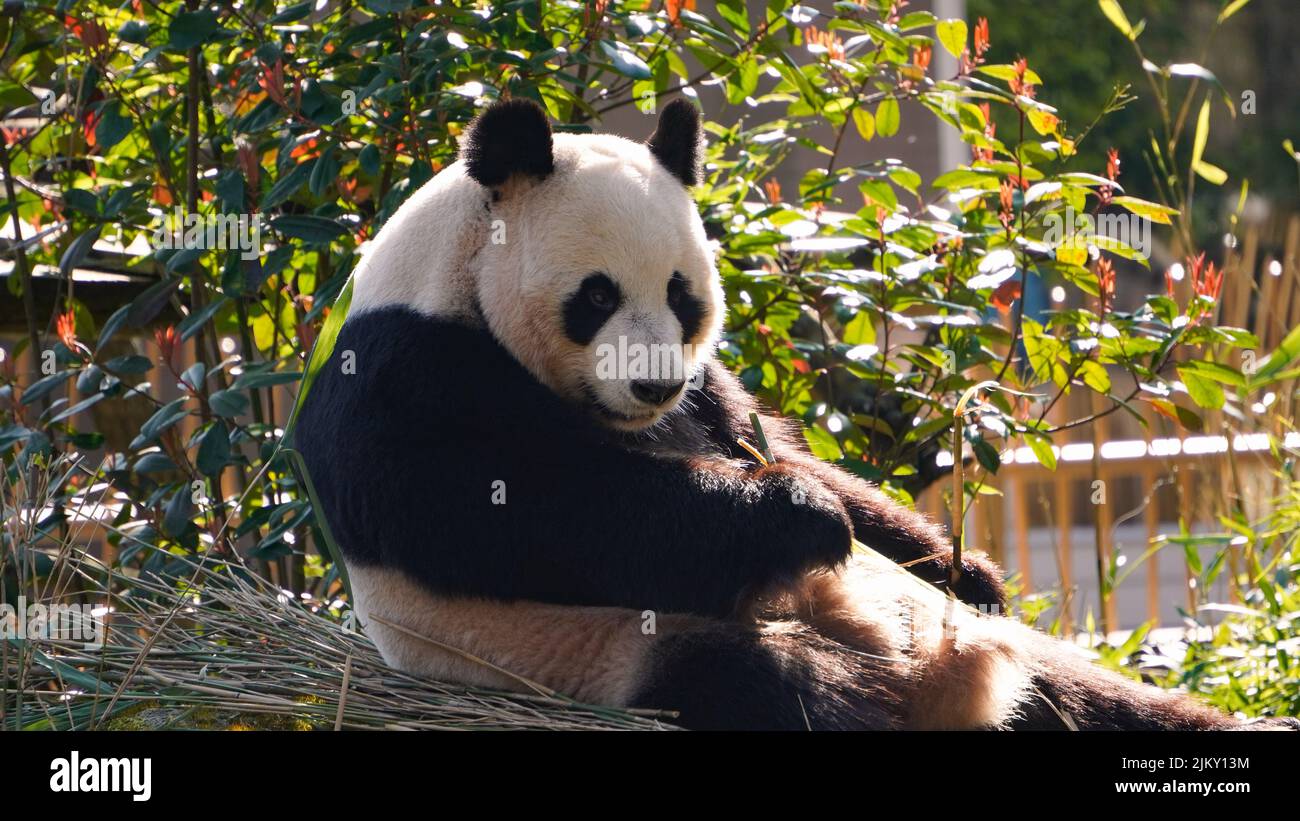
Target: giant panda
510, 519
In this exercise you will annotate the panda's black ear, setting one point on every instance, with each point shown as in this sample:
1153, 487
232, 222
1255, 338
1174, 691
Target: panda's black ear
511, 137
676, 141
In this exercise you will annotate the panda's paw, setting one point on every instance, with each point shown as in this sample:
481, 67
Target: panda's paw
811, 527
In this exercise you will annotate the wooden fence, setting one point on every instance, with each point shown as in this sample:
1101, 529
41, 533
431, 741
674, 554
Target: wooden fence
1155, 475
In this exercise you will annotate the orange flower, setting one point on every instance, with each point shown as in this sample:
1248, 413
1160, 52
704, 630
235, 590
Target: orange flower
1112, 164
1018, 83
1206, 281
921, 57
981, 38
990, 129
1006, 295
773, 189
67, 328
1105, 283
1105, 193
1006, 192
826, 41
675, 8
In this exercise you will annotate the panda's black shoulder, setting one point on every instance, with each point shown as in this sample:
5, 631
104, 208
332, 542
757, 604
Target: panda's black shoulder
395, 372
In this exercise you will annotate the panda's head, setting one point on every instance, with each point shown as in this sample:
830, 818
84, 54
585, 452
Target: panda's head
597, 275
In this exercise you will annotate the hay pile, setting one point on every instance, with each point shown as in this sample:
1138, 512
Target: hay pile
220, 648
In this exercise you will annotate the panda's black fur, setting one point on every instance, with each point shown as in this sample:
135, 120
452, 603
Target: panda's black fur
765, 620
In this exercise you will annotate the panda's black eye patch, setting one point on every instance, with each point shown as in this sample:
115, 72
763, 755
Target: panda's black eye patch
688, 308
587, 309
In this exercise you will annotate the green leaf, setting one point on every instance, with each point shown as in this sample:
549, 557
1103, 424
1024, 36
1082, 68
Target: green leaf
176, 517
77, 251
228, 403
865, 123
1115, 14
214, 450
1202, 132
625, 61
128, 365
791, 73
952, 33
1231, 9
191, 28
1042, 448
861, 329
309, 228
321, 351
68, 413
1150, 210
1216, 371
112, 127
1210, 173
162, 419
887, 117
1206, 393
1095, 376
287, 185
880, 192
1284, 354
822, 444
44, 387
733, 11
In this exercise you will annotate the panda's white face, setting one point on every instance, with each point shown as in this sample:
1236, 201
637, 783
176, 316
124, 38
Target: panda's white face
599, 279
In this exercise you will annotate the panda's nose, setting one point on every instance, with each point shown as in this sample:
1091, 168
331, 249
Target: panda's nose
656, 391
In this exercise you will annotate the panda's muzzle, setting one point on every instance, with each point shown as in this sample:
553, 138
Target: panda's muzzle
657, 392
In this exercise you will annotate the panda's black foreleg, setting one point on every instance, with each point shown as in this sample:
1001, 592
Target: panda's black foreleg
722, 406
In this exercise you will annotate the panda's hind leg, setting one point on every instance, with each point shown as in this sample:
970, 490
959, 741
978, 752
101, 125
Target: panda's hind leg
769, 676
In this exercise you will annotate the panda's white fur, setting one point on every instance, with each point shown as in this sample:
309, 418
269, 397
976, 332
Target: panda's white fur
611, 206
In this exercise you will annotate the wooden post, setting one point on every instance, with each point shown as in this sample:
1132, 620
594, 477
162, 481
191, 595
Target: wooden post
1152, 517
1020, 515
1103, 519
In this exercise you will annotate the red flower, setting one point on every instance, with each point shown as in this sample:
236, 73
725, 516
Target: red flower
272, 82
1206, 281
169, 343
1006, 295
13, 136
